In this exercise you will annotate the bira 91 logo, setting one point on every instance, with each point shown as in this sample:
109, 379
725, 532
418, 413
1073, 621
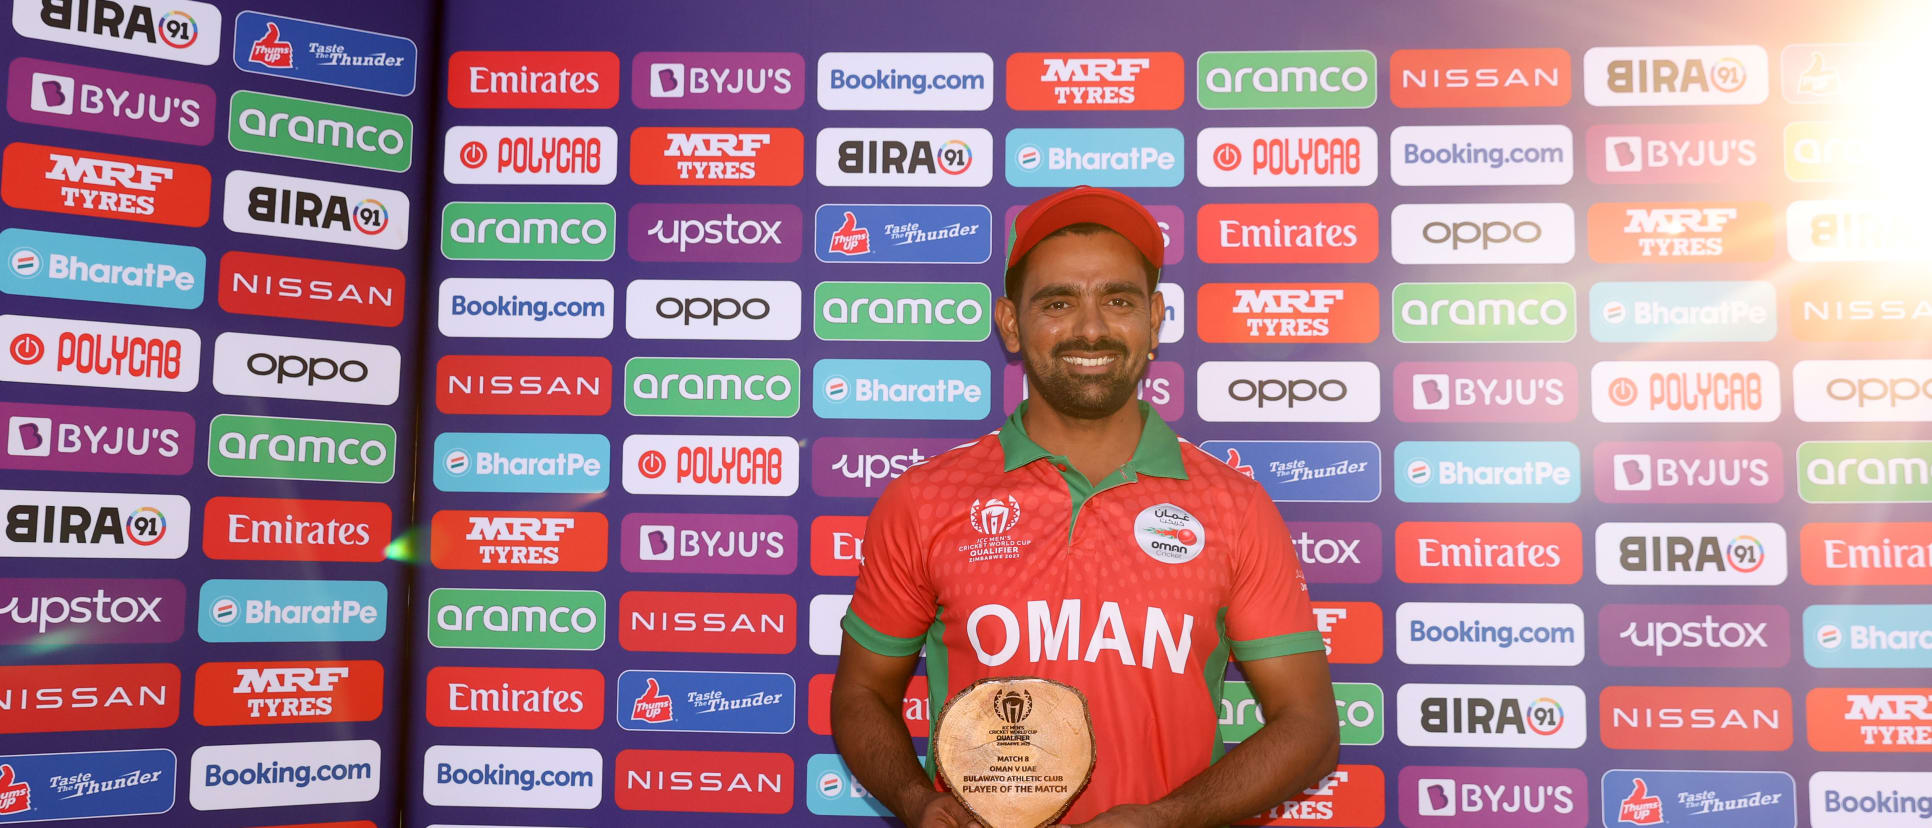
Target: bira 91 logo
115, 103
683, 701
1338, 552
1858, 309
1894, 636
87, 183
226, 777
287, 692
1684, 312
1867, 554
712, 310
1288, 312
1287, 233
1483, 312
704, 781
1869, 719
719, 80
516, 619
1723, 231
1108, 81
1435, 796
97, 440
1098, 157
1720, 799
903, 233
513, 777
1307, 471
838, 544
80, 611
1734, 391
274, 529
1695, 718
1691, 554
1347, 392
1487, 472
519, 541
1482, 233
557, 385
285, 448
1676, 76
717, 544
1673, 635
305, 208
1492, 715
178, 30
1485, 392
1488, 553
530, 155
287, 287
99, 354
667, 464
304, 50
1716, 472
1348, 795
1846, 230
257, 611
473, 461
515, 697
60, 698
1676, 153
767, 233
96, 269
111, 783
715, 156
533, 80
708, 622
317, 131
94, 525
903, 157
1286, 156
1430, 78
1351, 631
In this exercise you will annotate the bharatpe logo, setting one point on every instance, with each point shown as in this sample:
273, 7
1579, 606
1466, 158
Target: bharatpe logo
1718, 799
710, 387
1478, 156
718, 80
314, 210
1691, 554
233, 610
1684, 312
519, 462
1095, 157
1870, 799
1435, 796
286, 448
1294, 471
90, 611
179, 30
905, 81
1286, 80
904, 233
516, 619
832, 790
60, 786
115, 103
902, 311
1492, 715
286, 773
681, 701
902, 389
304, 50
94, 525
1483, 312
1499, 634
513, 777
1881, 636
1708, 635
529, 231
1358, 708
315, 131
765, 233
96, 269
1487, 472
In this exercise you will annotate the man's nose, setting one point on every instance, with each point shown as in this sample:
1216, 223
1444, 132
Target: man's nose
1090, 322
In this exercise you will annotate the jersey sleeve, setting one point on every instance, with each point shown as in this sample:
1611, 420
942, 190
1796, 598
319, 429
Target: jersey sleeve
1269, 614
894, 602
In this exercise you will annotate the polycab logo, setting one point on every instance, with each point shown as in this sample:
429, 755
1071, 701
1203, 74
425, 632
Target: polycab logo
708, 622
513, 777
286, 773
1491, 715
515, 697
525, 308
1288, 312
519, 462
1501, 634
1867, 554
116, 103
59, 698
1164, 387
1435, 796
838, 544
304, 50
255, 611
102, 185
557, 385
1488, 553
1286, 80
99, 440
1870, 799
94, 525
1675, 635
275, 529
1723, 231
1734, 391
712, 310
1100, 157
91, 611
1857, 231
718, 544
501, 541
1095, 80
533, 80
96, 269
1286, 156
1312, 471
1683, 312
1862, 390
287, 287
904, 157
704, 781
1487, 472
768, 233
862, 466
1348, 795
1695, 718
1461, 156
109, 783
1854, 309
1722, 799
1339, 552
1288, 233
1676, 153
292, 368
287, 692
1289, 392
683, 701
717, 156
1428, 78
1485, 392
529, 155
1482, 233
718, 80
99, 354
691, 464
1691, 554
1351, 631
905, 81
1884, 636
1676, 76
1857, 471
1483, 312
178, 30
1869, 719
1673, 472
305, 208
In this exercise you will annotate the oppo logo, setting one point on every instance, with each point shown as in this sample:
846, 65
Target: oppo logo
1290, 391
713, 310
1483, 234
285, 367
716, 309
1265, 391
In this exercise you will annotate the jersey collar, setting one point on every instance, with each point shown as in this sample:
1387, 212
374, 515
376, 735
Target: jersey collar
1157, 454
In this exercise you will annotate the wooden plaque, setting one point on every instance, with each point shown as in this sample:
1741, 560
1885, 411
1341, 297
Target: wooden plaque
1014, 751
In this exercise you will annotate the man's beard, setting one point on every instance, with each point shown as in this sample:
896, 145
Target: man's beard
1084, 398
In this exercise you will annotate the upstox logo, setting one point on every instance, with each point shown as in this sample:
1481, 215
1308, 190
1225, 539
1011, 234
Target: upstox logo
286, 448
506, 462
695, 387
902, 389
95, 269
1891, 636
1096, 157
317, 131
1286, 80
902, 311
516, 619
1493, 472
233, 610
1860, 471
529, 231
1483, 312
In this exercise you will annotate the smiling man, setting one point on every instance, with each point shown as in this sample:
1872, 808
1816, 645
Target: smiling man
1084, 542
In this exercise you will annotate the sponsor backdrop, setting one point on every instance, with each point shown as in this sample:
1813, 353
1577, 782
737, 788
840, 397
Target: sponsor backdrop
1581, 351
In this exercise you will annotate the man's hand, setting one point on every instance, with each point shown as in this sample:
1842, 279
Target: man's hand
943, 811
1126, 816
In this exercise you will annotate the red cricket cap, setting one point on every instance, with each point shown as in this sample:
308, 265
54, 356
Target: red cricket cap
1080, 205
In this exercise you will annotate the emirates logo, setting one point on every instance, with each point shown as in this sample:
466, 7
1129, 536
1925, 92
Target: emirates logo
994, 516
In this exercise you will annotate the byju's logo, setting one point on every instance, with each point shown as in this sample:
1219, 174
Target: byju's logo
179, 30
720, 544
1096, 157
233, 610
516, 619
96, 269
38, 787
1885, 636
1684, 312
1691, 554
902, 81
904, 157
505, 462
1491, 715
287, 47
94, 525
768, 233
116, 103
902, 389
1493, 472
713, 310
1485, 392
99, 440
1470, 797
1688, 153
1721, 799
718, 80
904, 233
305, 208
1306, 471
682, 701
1729, 472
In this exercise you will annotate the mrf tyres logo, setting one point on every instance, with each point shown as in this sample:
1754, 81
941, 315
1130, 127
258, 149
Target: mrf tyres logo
694, 156
285, 448
1491, 715
87, 183
1648, 232
312, 210
1095, 80
179, 30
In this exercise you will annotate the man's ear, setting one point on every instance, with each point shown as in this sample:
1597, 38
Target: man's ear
1006, 317
1159, 308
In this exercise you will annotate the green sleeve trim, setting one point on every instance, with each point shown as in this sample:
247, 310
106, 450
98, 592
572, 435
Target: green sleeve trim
890, 645
1280, 645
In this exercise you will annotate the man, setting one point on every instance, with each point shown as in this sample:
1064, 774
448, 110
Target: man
1083, 542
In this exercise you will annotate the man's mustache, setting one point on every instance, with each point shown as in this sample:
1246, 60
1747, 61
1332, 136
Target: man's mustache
1068, 347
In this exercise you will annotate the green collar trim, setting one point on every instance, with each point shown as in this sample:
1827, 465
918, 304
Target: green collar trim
1157, 454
